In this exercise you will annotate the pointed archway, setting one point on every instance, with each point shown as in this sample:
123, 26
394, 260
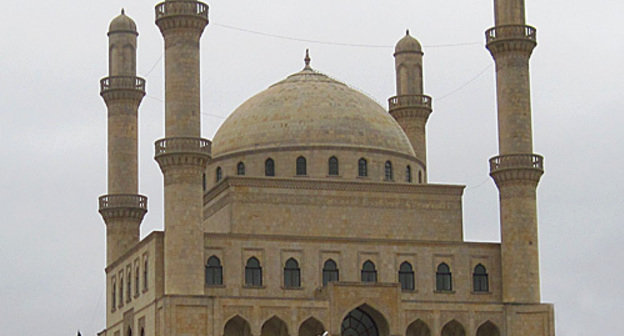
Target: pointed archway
364, 321
311, 327
453, 328
237, 326
488, 329
418, 328
274, 327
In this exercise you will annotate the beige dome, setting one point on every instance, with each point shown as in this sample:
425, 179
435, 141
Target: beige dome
122, 23
407, 44
309, 109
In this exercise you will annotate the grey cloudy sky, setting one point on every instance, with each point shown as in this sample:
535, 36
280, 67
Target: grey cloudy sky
53, 132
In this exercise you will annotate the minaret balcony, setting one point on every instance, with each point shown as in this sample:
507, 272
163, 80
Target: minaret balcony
410, 101
511, 38
123, 205
516, 167
180, 145
181, 8
122, 83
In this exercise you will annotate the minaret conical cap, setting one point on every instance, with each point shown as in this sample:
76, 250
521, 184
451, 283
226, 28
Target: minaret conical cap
122, 24
408, 44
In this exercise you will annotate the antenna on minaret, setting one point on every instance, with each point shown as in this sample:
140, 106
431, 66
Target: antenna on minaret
307, 59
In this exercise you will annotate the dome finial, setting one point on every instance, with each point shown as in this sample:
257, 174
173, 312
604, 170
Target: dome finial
307, 59
406, 31
123, 11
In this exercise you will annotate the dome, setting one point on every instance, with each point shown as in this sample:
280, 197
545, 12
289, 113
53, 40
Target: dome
408, 44
308, 109
122, 23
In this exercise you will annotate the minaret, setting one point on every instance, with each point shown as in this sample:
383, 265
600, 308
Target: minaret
516, 170
182, 154
410, 107
123, 208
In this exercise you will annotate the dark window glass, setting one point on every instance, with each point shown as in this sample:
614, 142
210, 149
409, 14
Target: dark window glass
362, 167
419, 176
330, 272
333, 166
240, 169
388, 171
129, 331
219, 174
114, 294
253, 273
408, 174
145, 275
292, 274
480, 279
406, 276
136, 281
121, 293
302, 168
369, 273
214, 272
204, 181
358, 323
269, 167
129, 286
443, 278
142, 332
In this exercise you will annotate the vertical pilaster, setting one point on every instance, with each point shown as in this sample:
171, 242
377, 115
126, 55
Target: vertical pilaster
516, 170
182, 155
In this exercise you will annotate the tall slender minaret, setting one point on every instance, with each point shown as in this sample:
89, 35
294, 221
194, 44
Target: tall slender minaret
516, 170
182, 154
123, 208
410, 107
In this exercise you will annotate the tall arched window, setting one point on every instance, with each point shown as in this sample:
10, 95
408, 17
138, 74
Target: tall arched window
388, 171
114, 294
362, 167
145, 273
137, 277
214, 272
408, 174
218, 174
269, 167
129, 333
253, 273
121, 289
129, 285
443, 278
480, 279
142, 332
301, 168
333, 166
292, 274
240, 169
204, 181
330, 272
406, 276
369, 273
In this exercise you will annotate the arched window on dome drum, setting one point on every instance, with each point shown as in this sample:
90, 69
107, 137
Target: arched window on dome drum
388, 171
253, 273
214, 272
444, 281
269, 167
480, 281
369, 273
333, 166
292, 274
240, 169
408, 174
301, 166
406, 276
219, 174
362, 167
330, 272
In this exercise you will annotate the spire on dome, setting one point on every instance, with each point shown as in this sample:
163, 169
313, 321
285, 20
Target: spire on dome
123, 11
307, 60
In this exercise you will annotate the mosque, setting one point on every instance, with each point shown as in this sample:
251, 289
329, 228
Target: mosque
310, 210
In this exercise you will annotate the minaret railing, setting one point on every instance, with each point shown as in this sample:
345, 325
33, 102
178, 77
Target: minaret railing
122, 83
507, 32
181, 7
410, 101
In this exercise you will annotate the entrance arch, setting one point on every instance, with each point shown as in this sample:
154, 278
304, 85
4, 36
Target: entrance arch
311, 327
364, 321
488, 329
453, 328
418, 328
237, 326
274, 327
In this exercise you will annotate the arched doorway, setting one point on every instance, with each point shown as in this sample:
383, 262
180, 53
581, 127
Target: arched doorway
237, 326
311, 327
418, 328
364, 321
488, 329
453, 328
274, 327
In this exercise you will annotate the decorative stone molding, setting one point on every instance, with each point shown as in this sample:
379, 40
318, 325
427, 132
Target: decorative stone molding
508, 38
123, 206
516, 167
122, 88
181, 14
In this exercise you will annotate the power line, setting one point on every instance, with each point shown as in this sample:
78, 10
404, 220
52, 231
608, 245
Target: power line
466, 83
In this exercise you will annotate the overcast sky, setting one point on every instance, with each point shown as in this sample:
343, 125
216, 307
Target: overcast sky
53, 132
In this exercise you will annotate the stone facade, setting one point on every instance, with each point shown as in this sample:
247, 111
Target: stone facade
310, 210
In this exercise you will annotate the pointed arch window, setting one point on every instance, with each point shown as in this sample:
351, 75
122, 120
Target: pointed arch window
330, 271
121, 289
269, 167
408, 174
129, 285
204, 181
443, 278
362, 167
301, 168
480, 281
406, 276
388, 171
369, 273
253, 273
137, 278
219, 174
292, 274
114, 294
214, 272
333, 166
145, 274
240, 169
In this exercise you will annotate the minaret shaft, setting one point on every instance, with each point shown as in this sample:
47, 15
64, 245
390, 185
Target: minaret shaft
509, 12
